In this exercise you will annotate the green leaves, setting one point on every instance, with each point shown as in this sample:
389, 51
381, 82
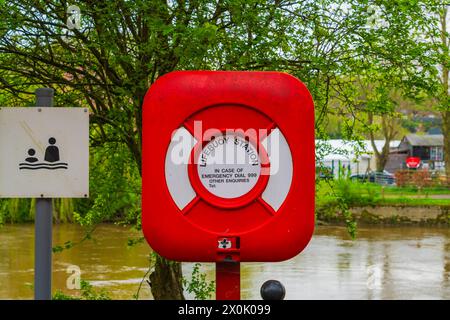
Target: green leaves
87, 292
116, 187
59, 248
198, 285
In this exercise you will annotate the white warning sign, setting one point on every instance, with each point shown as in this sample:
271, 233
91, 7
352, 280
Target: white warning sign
44, 153
229, 166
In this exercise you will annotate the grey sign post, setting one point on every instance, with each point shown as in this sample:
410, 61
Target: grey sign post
43, 226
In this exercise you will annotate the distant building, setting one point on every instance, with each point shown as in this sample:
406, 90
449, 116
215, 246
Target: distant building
343, 157
429, 148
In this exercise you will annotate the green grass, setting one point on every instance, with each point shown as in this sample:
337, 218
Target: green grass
413, 202
413, 191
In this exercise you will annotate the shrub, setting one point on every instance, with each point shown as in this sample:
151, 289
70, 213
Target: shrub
421, 178
198, 284
87, 292
414, 178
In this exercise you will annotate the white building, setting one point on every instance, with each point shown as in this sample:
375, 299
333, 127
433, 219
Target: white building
342, 156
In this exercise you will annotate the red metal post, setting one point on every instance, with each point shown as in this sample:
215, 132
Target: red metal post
228, 281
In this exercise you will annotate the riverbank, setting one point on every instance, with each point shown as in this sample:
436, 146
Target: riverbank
370, 203
438, 215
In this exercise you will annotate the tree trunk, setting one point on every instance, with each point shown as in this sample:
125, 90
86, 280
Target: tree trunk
381, 159
166, 280
383, 156
389, 132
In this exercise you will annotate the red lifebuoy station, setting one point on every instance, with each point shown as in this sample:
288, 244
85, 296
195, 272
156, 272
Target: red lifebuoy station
228, 169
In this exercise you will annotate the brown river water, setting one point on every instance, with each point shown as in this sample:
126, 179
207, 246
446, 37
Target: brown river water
382, 263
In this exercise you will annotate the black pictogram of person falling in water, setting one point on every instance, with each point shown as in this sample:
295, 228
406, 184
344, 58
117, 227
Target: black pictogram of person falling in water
51, 159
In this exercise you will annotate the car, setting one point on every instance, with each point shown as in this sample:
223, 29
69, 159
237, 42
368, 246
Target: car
383, 177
